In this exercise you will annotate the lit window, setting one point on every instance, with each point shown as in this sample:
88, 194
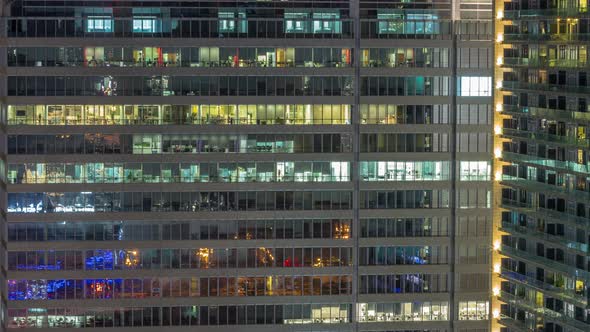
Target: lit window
99, 24
145, 24
473, 310
230, 21
326, 23
407, 24
296, 22
475, 171
474, 86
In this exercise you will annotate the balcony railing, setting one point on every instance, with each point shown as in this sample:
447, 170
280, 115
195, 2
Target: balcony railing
543, 187
565, 63
527, 231
63, 179
529, 13
68, 27
546, 37
551, 264
513, 324
530, 208
552, 315
520, 301
565, 165
548, 113
578, 142
533, 282
515, 85
567, 320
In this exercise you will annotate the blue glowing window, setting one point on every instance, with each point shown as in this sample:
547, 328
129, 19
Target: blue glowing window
146, 24
99, 24
296, 22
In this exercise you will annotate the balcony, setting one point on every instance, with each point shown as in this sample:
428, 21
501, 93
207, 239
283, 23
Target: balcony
551, 264
510, 203
548, 314
519, 301
564, 165
546, 113
203, 27
566, 294
530, 232
563, 37
552, 63
543, 187
529, 209
513, 324
516, 85
515, 14
567, 320
549, 138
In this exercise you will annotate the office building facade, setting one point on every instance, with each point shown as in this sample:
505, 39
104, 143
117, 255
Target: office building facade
541, 267
261, 165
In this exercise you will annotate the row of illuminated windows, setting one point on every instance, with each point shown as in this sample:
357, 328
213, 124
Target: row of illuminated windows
403, 255
404, 86
385, 142
535, 29
178, 143
405, 311
545, 55
273, 285
237, 114
285, 171
102, 317
126, 230
221, 258
240, 229
100, 56
199, 85
69, 202
403, 114
403, 283
474, 86
403, 170
475, 170
259, 114
474, 310
386, 312
242, 86
300, 25
223, 27
402, 227
405, 57
186, 258
422, 170
192, 315
223, 143
406, 23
